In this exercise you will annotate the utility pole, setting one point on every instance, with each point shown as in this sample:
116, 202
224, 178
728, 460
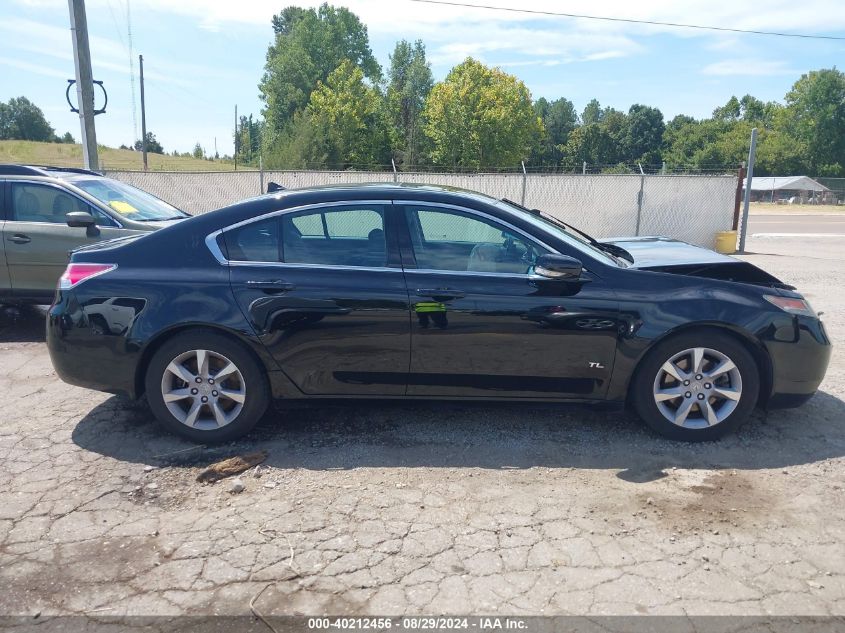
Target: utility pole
84, 82
143, 113
752, 152
236, 137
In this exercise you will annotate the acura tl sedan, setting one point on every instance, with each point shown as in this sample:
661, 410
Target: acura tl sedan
399, 291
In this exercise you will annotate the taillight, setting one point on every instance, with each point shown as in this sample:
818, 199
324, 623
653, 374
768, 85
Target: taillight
793, 305
77, 273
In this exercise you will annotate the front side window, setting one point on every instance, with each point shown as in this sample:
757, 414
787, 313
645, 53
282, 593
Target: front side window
42, 203
331, 236
447, 239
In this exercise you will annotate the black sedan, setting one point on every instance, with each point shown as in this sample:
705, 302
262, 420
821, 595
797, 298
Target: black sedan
397, 291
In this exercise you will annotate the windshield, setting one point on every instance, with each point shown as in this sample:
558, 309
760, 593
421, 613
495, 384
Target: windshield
129, 202
551, 225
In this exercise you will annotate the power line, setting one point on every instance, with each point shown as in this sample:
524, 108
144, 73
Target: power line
631, 20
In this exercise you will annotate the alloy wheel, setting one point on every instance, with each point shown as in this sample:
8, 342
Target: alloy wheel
203, 389
697, 388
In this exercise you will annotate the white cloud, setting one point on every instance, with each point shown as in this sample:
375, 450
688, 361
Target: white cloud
453, 32
20, 64
748, 67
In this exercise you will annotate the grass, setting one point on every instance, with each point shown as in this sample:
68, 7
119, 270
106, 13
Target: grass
795, 209
70, 155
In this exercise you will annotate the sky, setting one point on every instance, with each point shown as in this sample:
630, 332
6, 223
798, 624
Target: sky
203, 57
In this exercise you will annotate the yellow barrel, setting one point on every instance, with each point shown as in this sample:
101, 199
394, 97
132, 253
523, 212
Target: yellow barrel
726, 242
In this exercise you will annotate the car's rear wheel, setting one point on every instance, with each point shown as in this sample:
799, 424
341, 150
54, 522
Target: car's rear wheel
696, 386
206, 387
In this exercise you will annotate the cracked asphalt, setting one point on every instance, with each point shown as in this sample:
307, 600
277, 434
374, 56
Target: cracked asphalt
412, 508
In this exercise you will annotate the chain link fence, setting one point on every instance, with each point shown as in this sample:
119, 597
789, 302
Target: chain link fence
692, 208
837, 190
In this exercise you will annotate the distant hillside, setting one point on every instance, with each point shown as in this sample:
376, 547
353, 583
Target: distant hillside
70, 155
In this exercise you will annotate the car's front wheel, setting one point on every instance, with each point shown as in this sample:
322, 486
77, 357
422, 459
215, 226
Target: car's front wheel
206, 387
696, 386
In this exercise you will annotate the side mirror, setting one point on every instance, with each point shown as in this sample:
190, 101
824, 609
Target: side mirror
560, 267
81, 219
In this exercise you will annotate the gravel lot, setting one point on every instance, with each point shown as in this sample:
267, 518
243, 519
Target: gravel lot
382, 508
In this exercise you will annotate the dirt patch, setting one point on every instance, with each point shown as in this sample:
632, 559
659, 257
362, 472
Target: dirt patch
719, 499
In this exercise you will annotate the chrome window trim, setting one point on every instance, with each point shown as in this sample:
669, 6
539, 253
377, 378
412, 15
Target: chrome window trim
304, 207
63, 189
214, 247
329, 267
479, 273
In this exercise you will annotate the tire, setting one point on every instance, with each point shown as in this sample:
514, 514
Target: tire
233, 403
684, 405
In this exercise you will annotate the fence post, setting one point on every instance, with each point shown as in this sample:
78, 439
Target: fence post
395, 175
524, 181
584, 169
752, 151
260, 175
738, 195
640, 201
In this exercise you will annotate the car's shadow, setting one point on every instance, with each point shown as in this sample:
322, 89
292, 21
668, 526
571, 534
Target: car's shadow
447, 435
22, 324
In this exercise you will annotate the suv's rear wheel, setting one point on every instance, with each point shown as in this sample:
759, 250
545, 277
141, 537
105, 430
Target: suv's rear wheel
206, 387
696, 386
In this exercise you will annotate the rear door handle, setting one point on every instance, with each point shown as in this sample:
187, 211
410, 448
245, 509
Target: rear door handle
441, 293
19, 238
271, 284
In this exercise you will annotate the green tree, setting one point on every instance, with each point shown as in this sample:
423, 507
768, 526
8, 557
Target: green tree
67, 137
349, 119
816, 118
198, 151
592, 113
410, 82
480, 117
731, 111
23, 120
309, 44
248, 140
644, 134
591, 143
153, 146
559, 119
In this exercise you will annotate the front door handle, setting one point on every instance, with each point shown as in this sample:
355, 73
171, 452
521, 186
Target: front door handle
271, 284
441, 293
20, 238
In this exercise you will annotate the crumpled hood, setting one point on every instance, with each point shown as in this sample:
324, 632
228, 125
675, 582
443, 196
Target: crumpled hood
665, 255
654, 251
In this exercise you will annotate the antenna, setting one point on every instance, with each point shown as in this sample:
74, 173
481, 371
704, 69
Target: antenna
132, 71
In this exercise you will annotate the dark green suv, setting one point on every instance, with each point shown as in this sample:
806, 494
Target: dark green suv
47, 211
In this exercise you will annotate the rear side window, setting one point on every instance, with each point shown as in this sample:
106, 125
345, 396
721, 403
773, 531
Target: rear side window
254, 242
333, 236
347, 236
42, 203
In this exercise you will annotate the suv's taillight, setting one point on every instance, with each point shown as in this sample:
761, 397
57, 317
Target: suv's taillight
77, 273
